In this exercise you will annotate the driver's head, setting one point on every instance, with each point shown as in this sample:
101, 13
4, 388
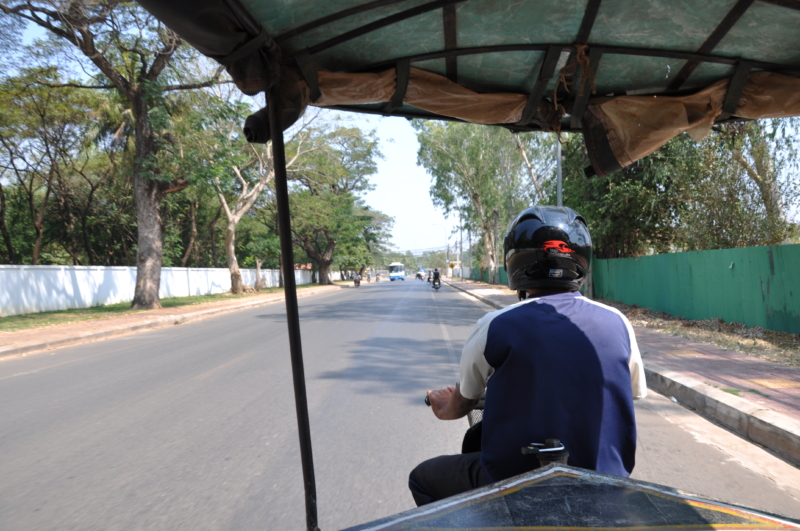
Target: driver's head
547, 248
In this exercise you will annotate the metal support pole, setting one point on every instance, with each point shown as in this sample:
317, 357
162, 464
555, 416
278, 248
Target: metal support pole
469, 240
461, 245
559, 178
292, 313
496, 274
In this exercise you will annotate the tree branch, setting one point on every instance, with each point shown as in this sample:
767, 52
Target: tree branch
529, 166
214, 80
74, 85
164, 55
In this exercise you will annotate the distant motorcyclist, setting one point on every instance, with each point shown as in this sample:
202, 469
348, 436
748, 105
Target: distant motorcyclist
437, 277
556, 365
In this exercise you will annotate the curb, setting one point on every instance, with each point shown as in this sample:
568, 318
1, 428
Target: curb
776, 431
157, 322
485, 300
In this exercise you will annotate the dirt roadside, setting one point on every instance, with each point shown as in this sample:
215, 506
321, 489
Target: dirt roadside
29, 341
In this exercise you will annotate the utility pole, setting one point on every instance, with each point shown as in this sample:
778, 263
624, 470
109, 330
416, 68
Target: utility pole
461, 244
494, 273
469, 238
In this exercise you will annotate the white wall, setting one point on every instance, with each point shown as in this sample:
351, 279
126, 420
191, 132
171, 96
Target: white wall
457, 272
33, 289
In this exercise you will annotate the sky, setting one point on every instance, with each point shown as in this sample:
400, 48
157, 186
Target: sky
402, 189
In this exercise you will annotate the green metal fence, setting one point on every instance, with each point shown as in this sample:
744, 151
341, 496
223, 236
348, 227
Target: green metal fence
485, 274
751, 285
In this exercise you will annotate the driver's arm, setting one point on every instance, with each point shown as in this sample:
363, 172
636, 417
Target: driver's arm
448, 404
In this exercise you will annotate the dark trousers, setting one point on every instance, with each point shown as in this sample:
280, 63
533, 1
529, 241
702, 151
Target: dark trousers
445, 476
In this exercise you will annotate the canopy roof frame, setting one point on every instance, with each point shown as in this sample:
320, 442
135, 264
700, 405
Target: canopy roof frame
451, 51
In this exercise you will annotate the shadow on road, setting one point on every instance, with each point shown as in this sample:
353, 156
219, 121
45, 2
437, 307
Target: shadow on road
403, 366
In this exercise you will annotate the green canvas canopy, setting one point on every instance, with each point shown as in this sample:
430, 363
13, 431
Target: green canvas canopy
628, 74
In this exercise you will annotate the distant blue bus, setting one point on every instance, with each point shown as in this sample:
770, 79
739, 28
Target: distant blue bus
397, 271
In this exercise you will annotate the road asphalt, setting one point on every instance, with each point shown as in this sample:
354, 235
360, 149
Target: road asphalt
193, 426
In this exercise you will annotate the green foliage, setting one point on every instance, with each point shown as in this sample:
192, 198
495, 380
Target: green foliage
255, 242
736, 188
743, 188
635, 210
331, 224
478, 173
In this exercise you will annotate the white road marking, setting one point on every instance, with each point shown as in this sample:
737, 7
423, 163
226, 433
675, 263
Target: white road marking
447, 342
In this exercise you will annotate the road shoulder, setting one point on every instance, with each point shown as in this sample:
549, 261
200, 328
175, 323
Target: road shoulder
29, 341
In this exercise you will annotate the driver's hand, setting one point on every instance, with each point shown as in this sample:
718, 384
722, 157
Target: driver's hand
440, 398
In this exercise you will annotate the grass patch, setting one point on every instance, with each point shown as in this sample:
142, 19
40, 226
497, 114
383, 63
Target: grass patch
780, 347
38, 320
732, 391
756, 391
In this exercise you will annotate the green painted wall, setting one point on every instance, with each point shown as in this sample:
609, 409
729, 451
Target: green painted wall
751, 285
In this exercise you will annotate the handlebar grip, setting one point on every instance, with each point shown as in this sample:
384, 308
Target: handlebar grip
427, 401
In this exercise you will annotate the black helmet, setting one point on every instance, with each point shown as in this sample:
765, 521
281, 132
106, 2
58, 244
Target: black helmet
547, 247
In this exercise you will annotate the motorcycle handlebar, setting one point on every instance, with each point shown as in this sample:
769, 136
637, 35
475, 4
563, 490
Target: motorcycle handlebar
479, 405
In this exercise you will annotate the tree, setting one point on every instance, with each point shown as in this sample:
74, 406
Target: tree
130, 52
213, 151
477, 171
634, 211
44, 137
357, 248
326, 209
744, 187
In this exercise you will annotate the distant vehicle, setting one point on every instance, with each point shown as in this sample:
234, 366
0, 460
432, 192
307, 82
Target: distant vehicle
397, 271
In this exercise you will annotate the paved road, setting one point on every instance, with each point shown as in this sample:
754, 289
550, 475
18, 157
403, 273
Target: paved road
192, 427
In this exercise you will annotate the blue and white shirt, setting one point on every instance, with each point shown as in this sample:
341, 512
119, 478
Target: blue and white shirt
562, 367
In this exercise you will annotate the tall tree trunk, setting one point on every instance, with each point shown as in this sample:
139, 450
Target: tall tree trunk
91, 256
488, 246
150, 240
323, 259
324, 277
212, 227
230, 255
192, 235
12, 256
280, 269
38, 218
259, 283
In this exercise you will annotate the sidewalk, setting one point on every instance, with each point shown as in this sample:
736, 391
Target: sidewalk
763, 398
35, 339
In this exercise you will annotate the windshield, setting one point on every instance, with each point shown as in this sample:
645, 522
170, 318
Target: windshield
395, 269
